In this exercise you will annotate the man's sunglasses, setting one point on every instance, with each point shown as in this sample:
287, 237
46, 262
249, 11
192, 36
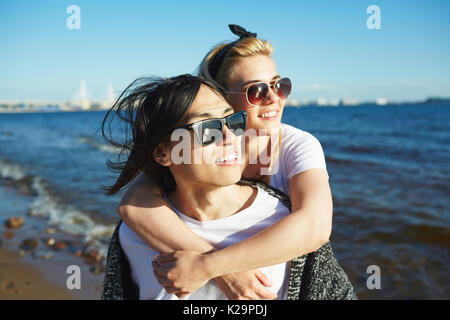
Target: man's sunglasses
211, 130
258, 92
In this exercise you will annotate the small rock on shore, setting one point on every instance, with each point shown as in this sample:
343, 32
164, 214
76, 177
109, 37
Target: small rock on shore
14, 222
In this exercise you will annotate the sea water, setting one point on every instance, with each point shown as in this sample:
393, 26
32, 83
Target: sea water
389, 175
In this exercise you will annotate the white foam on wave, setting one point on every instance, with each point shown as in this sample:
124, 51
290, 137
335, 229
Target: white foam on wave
66, 217
12, 171
97, 145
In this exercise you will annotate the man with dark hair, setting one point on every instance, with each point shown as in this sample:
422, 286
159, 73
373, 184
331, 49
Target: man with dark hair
209, 200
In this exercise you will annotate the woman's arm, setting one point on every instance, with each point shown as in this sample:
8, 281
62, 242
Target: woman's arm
144, 210
305, 230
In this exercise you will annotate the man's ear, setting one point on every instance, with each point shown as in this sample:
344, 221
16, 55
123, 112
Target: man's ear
161, 154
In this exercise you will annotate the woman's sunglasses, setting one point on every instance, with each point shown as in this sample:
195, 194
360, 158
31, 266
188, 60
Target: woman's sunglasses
258, 92
211, 130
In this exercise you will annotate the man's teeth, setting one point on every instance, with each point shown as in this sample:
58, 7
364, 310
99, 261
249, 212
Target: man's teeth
230, 157
269, 114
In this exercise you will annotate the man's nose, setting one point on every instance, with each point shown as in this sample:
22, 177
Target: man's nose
228, 137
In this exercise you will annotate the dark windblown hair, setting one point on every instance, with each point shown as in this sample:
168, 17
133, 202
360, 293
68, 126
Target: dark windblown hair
148, 109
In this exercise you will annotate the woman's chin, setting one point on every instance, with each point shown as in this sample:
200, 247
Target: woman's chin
267, 125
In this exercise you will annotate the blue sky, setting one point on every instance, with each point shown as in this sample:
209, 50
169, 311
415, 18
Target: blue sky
325, 47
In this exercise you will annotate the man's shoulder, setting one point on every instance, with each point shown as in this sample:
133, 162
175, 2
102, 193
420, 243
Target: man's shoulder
268, 194
127, 236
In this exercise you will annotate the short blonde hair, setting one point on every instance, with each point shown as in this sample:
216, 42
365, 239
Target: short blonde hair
246, 47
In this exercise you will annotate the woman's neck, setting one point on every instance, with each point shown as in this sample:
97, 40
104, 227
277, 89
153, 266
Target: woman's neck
261, 151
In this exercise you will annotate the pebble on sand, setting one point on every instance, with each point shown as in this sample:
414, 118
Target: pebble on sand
50, 231
92, 256
28, 244
99, 269
7, 285
14, 222
59, 246
50, 241
8, 234
43, 255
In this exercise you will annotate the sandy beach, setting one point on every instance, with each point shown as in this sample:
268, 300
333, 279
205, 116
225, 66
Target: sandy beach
34, 257
18, 281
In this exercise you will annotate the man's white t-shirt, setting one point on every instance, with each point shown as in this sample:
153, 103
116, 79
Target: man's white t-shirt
220, 233
299, 151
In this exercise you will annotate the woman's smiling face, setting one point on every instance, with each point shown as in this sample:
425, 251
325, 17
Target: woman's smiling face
250, 70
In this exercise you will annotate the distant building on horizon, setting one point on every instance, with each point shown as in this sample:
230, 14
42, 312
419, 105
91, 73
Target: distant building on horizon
381, 101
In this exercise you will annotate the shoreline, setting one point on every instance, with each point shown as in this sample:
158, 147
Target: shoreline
34, 257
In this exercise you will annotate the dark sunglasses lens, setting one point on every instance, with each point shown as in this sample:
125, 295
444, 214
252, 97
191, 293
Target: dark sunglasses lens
257, 93
236, 123
283, 87
211, 131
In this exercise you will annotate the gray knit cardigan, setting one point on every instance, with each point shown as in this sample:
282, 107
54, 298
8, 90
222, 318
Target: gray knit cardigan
313, 276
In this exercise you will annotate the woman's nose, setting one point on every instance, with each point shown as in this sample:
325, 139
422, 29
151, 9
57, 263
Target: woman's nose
272, 97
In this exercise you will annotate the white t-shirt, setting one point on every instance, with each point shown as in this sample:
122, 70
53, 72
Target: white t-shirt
220, 233
299, 151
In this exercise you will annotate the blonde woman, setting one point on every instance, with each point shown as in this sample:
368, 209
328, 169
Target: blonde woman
246, 73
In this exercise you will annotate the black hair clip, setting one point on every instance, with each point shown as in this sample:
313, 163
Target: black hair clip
241, 32
217, 60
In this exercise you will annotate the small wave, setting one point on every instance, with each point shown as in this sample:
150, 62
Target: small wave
66, 217
371, 161
9, 170
360, 149
348, 160
409, 234
428, 234
97, 145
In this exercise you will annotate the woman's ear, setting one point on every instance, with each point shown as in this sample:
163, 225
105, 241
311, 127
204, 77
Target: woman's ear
161, 154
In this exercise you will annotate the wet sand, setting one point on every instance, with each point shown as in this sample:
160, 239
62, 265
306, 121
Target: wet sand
40, 272
18, 281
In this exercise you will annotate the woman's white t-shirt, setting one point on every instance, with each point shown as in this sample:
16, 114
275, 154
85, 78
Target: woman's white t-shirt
299, 151
220, 233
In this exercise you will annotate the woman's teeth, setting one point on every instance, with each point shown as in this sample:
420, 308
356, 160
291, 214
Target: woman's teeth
228, 158
270, 114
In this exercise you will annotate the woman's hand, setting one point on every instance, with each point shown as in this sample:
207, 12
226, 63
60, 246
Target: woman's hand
246, 285
183, 272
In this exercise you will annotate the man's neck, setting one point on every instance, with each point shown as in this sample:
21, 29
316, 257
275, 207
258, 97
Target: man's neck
210, 203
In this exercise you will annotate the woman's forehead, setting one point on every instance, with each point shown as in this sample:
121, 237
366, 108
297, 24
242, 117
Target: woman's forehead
255, 68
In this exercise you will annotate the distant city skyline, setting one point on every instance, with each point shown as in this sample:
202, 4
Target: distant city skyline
325, 47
